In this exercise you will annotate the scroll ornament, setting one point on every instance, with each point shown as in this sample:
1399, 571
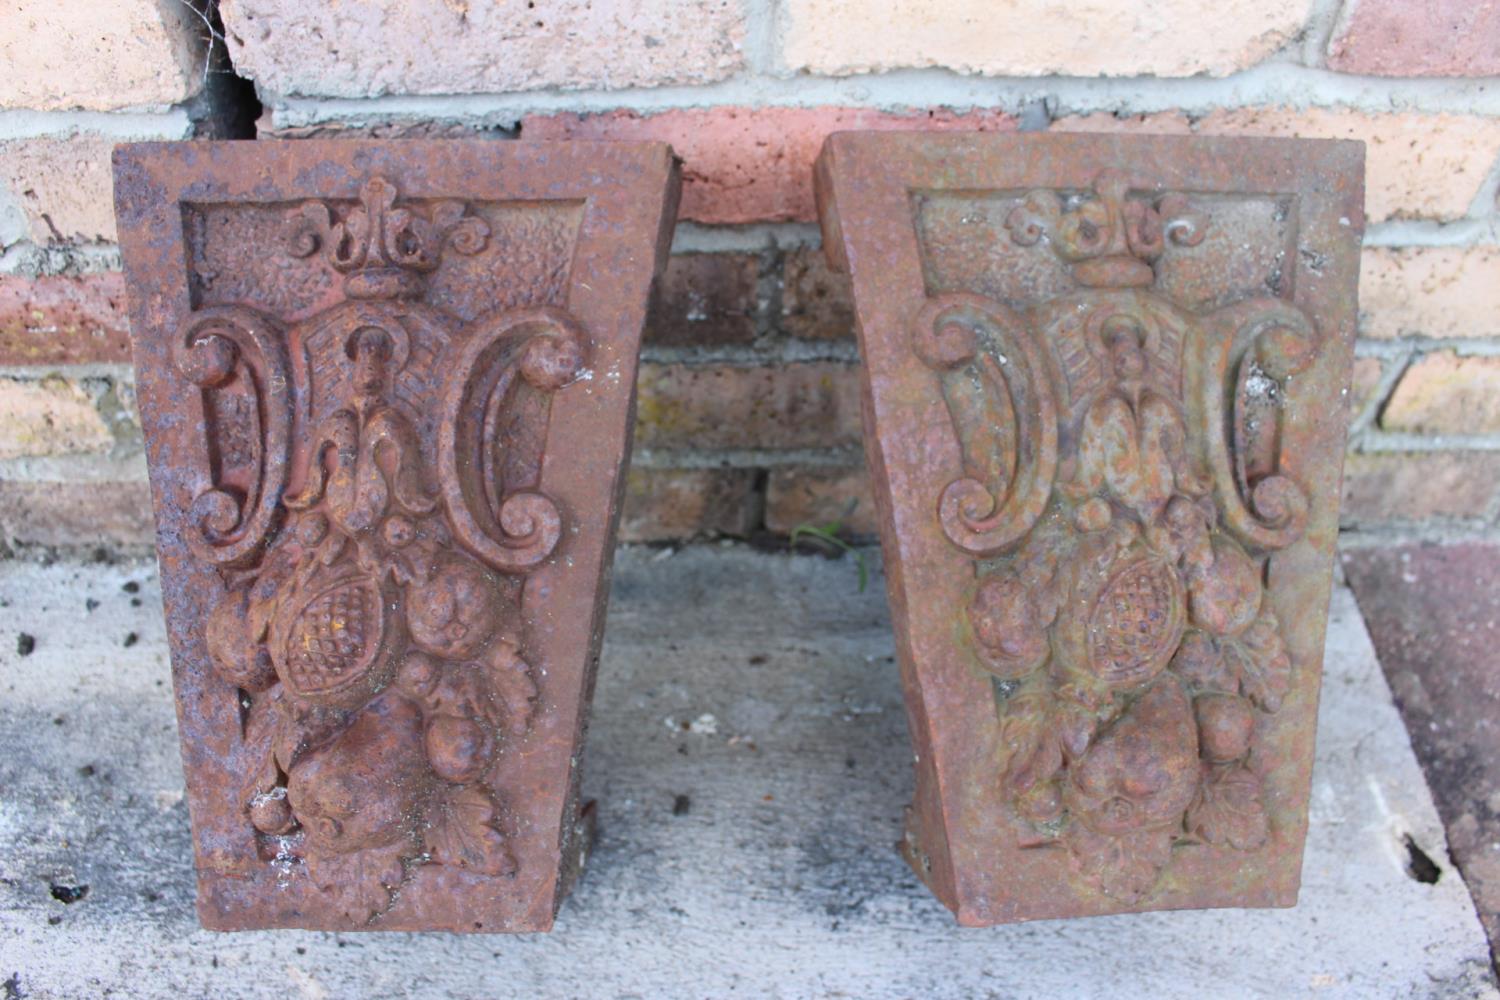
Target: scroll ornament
373, 620
1120, 499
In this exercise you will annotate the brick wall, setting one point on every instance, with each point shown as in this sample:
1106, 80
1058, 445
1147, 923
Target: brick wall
749, 409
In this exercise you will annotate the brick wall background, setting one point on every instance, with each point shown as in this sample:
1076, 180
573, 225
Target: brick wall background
749, 419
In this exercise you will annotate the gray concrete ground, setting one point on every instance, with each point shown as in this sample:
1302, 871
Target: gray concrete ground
749, 755
1434, 616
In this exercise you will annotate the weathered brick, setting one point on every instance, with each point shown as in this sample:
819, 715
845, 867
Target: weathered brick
1036, 37
480, 46
705, 298
1416, 165
63, 185
664, 505
1365, 380
76, 514
812, 405
1427, 166
1429, 291
816, 302
802, 495
63, 320
1401, 38
49, 416
1442, 393
99, 56
1417, 486
744, 165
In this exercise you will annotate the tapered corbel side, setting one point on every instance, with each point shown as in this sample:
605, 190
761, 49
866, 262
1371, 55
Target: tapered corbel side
386, 391
1105, 409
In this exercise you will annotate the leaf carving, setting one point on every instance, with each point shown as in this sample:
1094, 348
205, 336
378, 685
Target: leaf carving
463, 831
261, 725
1033, 753
1075, 724
1261, 660
362, 883
301, 728
511, 681
1229, 811
1200, 662
1123, 867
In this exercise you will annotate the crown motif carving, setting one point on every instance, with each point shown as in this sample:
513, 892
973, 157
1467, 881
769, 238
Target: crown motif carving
380, 247
1125, 527
1111, 239
372, 619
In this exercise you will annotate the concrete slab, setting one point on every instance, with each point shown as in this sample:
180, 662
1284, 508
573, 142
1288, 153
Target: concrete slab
750, 756
1434, 614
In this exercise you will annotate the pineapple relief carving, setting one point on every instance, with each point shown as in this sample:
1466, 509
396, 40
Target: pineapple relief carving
1121, 495
372, 511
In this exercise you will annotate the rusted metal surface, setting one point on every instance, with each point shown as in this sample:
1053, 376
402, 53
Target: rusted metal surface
1105, 410
386, 391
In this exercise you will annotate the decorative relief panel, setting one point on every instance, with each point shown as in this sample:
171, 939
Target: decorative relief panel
1121, 468
364, 505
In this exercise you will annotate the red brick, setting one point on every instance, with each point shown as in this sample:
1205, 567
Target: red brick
99, 56
63, 320
63, 185
1433, 38
1428, 292
76, 514
1162, 38
812, 405
816, 302
1443, 393
1417, 165
822, 497
1367, 373
1418, 486
705, 298
375, 47
53, 415
743, 165
663, 505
